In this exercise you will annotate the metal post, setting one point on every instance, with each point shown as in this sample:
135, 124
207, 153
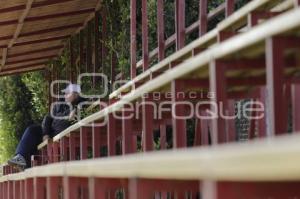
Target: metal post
296, 107
28, 188
262, 131
218, 89
148, 110
83, 142
81, 51
275, 81
97, 188
55, 152
111, 135
179, 125
202, 17
49, 153
38, 188
138, 189
72, 146
127, 129
160, 30
145, 35
52, 187
96, 140
70, 187
64, 145
229, 9
133, 37
104, 38
96, 48
89, 48
180, 23
72, 69
16, 194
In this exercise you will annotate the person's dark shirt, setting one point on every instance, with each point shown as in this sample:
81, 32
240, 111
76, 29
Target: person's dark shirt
57, 120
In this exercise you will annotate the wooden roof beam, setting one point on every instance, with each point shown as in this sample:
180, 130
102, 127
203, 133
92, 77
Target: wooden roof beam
23, 66
17, 32
34, 5
35, 51
30, 59
51, 16
38, 32
22, 70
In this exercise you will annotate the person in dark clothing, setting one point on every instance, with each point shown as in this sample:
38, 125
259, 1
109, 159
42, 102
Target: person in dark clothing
59, 119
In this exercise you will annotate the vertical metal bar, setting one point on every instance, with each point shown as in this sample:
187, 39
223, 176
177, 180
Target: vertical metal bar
229, 9
262, 122
145, 35
138, 189
55, 152
97, 188
29, 188
198, 132
96, 140
111, 137
49, 153
104, 38
179, 124
10, 189
113, 68
72, 146
52, 187
64, 144
202, 17
49, 78
1, 190
16, 190
148, 122
296, 107
275, 82
96, 49
22, 189
217, 81
83, 142
5, 190
39, 185
180, 23
163, 136
252, 124
133, 38
145, 38
127, 124
70, 187
72, 67
89, 48
160, 29
231, 130
81, 51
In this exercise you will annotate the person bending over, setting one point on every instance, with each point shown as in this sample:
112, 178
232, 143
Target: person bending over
58, 120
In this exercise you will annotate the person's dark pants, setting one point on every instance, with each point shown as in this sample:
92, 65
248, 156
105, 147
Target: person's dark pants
31, 138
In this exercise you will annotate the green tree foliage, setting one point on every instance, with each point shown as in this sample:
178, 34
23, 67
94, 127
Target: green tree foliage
38, 87
16, 112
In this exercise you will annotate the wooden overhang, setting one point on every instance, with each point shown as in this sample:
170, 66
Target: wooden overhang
33, 31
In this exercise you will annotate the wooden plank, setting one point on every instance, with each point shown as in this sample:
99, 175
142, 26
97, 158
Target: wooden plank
259, 160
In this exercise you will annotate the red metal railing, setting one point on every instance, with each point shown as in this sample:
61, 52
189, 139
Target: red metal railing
265, 65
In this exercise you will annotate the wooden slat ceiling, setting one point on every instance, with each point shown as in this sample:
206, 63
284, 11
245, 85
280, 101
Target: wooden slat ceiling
33, 31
